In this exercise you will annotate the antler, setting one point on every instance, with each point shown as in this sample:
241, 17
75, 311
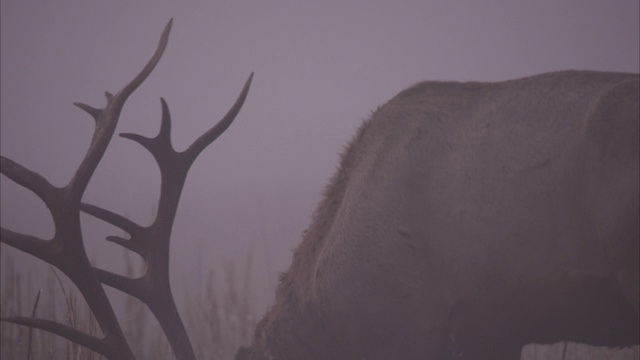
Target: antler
66, 250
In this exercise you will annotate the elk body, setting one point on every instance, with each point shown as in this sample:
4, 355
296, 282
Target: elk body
469, 219
466, 220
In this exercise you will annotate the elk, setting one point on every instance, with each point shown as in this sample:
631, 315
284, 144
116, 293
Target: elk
465, 221
66, 249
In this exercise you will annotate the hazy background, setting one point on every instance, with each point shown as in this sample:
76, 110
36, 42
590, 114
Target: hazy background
320, 68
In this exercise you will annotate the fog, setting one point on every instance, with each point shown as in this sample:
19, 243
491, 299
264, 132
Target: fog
320, 68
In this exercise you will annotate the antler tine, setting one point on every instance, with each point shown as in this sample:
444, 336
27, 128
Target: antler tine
107, 119
210, 136
45, 191
66, 250
28, 179
148, 68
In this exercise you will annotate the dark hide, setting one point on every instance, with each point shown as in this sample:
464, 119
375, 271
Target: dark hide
469, 219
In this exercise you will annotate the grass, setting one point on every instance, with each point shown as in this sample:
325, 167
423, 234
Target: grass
218, 320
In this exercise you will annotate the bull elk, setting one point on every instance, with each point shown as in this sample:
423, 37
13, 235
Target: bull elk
465, 221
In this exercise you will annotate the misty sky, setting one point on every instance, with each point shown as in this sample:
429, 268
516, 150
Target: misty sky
320, 68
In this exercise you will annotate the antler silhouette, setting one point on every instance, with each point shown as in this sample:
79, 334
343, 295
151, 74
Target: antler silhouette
66, 249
